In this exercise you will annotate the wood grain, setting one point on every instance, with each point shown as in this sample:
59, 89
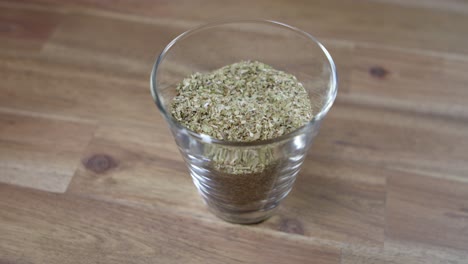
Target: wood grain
441, 206
67, 91
133, 165
361, 21
403, 252
335, 200
417, 82
90, 173
391, 139
24, 32
80, 37
40, 152
450, 5
92, 231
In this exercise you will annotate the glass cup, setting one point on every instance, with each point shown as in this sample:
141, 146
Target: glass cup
243, 182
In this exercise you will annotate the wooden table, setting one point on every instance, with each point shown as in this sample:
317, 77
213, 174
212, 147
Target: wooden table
90, 174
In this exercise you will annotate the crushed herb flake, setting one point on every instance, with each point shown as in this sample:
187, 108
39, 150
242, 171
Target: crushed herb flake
244, 101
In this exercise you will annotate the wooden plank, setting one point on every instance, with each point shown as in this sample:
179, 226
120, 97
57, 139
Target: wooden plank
49, 88
403, 252
427, 210
388, 138
109, 45
450, 5
46, 228
407, 80
40, 153
135, 164
24, 32
359, 21
104, 50
335, 200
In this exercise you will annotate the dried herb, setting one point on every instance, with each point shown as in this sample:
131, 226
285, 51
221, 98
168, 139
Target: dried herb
244, 101
243, 191
240, 160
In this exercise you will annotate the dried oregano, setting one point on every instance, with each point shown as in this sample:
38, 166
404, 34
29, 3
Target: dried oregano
244, 101
240, 160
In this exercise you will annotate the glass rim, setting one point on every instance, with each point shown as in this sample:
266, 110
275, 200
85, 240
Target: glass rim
206, 138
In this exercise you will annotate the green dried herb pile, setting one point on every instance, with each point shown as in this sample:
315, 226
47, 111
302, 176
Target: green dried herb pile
244, 101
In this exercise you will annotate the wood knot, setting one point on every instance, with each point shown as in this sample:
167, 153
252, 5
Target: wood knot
100, 163
378, 72
291, 226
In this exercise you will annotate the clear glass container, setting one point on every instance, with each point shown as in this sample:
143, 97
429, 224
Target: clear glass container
250, 195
